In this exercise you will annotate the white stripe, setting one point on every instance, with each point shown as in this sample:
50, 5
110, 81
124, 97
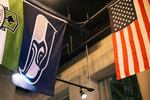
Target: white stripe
147, 8
143, 30
4, 3
120, 55
129, 51
2, 44
3, 33
137, 47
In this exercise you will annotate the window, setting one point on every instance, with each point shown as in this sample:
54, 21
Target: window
125, 89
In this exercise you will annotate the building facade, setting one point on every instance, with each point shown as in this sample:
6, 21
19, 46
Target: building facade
97, 70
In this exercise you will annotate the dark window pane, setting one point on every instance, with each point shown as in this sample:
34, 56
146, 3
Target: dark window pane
124, 89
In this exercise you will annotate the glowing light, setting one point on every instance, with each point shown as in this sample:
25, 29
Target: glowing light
21, 81
83, 95
16, 77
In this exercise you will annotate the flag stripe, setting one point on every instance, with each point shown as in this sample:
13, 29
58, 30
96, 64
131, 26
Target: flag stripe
3, 33
139, 43
2, 44
5, 3
143, 48
125, 55
135, 66
145, 18
147, 9
129, 66
143, 32
120, 54
115, 47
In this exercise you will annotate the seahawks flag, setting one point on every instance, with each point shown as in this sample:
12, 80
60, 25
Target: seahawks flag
11, 30
41, 49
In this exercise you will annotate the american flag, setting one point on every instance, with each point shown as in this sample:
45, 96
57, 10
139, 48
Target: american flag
130, 24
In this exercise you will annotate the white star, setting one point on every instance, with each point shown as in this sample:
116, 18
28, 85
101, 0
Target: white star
130, 17
129, 12
129, 21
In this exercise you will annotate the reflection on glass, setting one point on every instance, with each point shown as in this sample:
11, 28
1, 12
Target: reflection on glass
125, 89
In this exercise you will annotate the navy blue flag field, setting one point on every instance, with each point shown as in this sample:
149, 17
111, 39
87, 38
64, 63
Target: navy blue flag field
41, 49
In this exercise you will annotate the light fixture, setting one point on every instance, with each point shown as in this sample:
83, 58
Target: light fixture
21, 81
16, 77
83, 94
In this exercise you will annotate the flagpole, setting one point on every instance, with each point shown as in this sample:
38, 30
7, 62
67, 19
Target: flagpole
74, 84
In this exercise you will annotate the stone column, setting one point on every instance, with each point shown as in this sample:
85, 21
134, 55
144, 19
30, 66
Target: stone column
7, 89
144, 84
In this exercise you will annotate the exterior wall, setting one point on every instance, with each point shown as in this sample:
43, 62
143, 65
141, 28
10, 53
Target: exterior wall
100, 63
100, 57
7, 89
144, 83
20, 95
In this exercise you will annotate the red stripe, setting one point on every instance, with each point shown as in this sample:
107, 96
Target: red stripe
149, 1
125, 56
116, 56
134, 53
143, 50
145, 17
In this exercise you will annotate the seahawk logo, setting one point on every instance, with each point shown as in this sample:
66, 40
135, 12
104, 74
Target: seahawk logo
8, 19
40, 49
